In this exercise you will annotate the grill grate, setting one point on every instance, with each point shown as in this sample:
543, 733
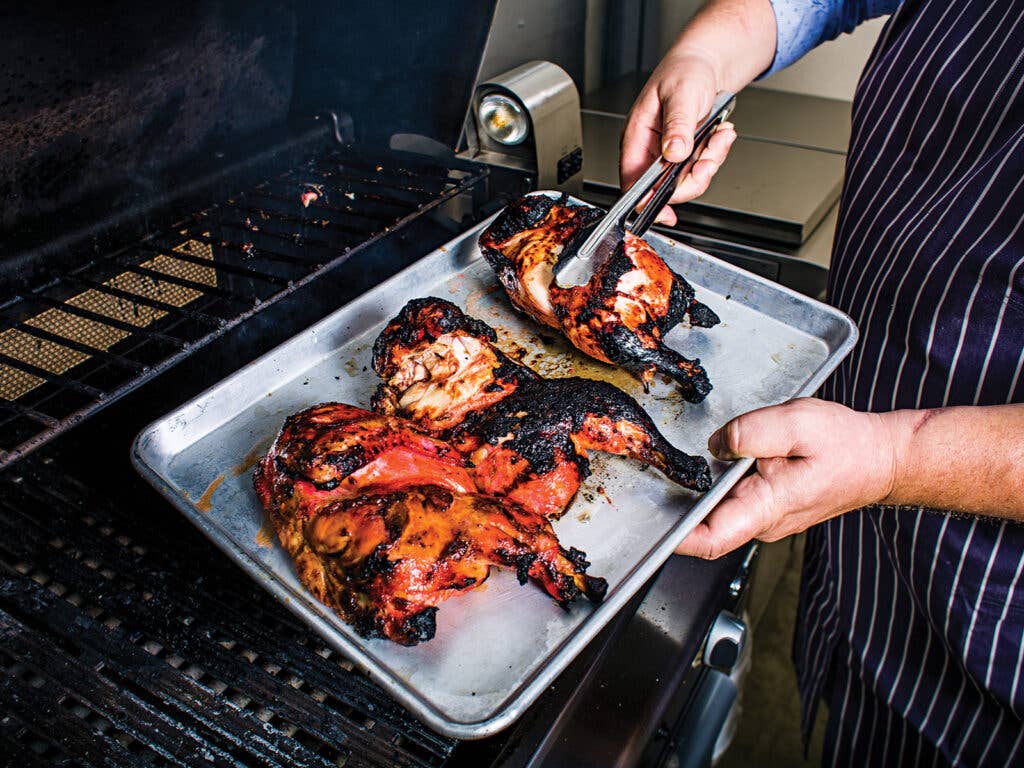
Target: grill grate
119, 648
83, 341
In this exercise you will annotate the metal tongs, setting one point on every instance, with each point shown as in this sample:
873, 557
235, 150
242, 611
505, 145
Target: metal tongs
595, 244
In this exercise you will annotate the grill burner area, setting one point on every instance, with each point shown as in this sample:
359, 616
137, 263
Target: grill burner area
96, 332
121, 630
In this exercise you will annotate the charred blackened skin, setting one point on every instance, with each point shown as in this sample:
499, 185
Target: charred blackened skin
702, 316
540, 420
543, 414
455, 549
523, 565
525, 213
420, 627
347, 462
597, 587
377, 563
680, 299
624, 348
578, 558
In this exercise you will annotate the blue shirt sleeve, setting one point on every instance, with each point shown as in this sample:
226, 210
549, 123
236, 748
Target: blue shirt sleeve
804, 24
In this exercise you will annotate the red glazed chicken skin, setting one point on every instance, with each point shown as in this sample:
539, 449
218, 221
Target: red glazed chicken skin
383, 523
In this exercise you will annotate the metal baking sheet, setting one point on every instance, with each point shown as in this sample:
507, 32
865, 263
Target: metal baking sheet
497, 648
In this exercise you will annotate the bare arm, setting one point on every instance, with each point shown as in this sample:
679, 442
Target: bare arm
967, 459
817, 460
724, 47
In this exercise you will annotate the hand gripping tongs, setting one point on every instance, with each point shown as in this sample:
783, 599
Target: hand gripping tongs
596, 243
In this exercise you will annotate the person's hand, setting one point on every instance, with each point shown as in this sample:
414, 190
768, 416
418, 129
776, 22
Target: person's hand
815, 460
678, 95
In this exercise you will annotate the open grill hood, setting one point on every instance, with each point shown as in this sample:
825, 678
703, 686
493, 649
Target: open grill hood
153, 161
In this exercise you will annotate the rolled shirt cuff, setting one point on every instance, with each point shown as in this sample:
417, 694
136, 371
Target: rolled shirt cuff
804, 24
800, 26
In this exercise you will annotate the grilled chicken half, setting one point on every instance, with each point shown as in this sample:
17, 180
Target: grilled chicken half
621, 315
527, 437
383, 523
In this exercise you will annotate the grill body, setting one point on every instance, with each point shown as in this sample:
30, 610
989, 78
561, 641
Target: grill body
157, 233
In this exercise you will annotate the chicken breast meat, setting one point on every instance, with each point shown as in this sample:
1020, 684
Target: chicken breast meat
384, 523
621, 315
526, 437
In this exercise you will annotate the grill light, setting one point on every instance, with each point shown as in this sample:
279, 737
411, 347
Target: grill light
503, 119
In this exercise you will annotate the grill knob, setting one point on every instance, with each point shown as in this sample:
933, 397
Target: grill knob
725, 642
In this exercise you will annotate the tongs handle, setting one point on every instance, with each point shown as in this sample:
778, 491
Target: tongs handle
665, 174
661, 170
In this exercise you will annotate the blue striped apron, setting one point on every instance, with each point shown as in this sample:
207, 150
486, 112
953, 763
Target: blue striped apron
911, 621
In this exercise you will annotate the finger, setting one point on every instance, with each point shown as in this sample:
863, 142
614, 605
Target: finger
641, 140
743, 515
666, 217
683, 105
719, 144
777, 430
696, 183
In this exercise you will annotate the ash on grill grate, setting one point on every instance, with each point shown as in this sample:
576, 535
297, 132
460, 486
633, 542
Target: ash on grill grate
79, 343
127, 637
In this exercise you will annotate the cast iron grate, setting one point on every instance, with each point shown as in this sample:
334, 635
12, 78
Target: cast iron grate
127, 639
82, 341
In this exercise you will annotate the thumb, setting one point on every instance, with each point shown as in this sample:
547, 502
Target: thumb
682, 108
775, 431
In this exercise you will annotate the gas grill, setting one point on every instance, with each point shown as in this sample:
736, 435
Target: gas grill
148, 248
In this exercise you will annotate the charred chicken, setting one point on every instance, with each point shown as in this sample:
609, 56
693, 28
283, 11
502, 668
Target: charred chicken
527, 437
383, 523
621, 315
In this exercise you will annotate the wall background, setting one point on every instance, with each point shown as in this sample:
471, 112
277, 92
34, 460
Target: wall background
831, 70
599, 41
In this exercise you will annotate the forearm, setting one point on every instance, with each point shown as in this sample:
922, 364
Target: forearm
967, 459
735, 37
